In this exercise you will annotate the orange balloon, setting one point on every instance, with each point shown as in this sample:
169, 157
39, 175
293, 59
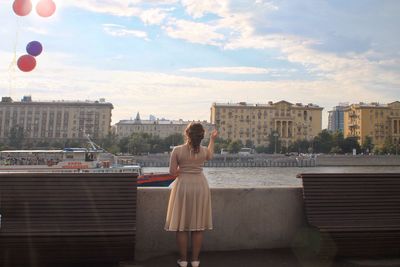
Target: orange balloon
26, 63
22, 7
46, 8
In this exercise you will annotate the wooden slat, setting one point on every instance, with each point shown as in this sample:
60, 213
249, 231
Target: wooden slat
61, 218
358, 214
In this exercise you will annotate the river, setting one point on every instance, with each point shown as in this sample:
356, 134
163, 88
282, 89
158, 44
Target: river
262, 177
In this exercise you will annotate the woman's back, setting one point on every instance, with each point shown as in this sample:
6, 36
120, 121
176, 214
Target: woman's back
187, 160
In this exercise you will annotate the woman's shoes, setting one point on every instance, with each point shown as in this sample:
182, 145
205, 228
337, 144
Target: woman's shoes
182, 263
195, 263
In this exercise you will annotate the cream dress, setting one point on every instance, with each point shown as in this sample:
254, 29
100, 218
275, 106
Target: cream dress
189, 207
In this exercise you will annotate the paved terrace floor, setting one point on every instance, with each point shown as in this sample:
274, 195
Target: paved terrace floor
261, 258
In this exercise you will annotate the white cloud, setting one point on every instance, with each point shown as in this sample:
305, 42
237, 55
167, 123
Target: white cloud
228, 70
114, 7
154, 16
191, 97
122, 31
198, 9
194, 32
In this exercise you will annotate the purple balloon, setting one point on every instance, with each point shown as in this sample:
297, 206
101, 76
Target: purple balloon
34, 48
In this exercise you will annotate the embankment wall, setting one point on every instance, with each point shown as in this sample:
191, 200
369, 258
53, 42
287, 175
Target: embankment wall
255, 218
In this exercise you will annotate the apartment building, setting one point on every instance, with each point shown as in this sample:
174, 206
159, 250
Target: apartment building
255, 122
336, 118
155, 127
55, 120
379, 121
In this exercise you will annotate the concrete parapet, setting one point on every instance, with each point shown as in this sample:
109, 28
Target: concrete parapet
255, 218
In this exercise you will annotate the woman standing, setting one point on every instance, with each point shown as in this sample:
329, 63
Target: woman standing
189, 207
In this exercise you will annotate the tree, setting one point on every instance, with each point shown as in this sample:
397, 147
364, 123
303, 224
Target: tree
367, 145
172, 140
351, 143
235, 146
16, 137
262, 149
274, 144
123, 144
299, 146
323, 142
249, 143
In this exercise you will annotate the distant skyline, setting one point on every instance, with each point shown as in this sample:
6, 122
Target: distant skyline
173, 58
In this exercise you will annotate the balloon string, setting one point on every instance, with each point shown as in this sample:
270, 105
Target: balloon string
13, 64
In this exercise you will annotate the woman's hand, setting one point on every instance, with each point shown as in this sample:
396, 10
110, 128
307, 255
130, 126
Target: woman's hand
214, 134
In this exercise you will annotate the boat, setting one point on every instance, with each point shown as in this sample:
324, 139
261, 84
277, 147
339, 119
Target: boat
76, 160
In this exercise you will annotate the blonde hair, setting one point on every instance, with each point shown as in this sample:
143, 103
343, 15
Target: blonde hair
194, 133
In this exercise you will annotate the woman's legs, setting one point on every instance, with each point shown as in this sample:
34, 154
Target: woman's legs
182, 242
197, 240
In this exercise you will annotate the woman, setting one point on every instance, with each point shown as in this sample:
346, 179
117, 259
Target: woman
189, 207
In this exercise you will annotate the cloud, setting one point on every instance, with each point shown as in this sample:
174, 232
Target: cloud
228, 70
122, 31
154, 16
194, 32
191, 97
124, 8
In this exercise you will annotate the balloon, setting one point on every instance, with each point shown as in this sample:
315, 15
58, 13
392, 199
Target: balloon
22, 7
46, 8
26, 63
34, 48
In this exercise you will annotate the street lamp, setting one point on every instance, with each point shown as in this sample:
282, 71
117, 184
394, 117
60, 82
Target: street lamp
276, 136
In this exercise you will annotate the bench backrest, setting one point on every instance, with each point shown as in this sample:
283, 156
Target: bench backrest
63, 217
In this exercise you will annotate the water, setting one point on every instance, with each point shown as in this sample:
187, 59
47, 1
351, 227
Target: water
262, 177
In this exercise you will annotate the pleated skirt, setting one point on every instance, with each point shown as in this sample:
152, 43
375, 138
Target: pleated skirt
189, 206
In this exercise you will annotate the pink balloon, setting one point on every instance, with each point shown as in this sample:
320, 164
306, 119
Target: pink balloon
46, 8
22, 7
26, 63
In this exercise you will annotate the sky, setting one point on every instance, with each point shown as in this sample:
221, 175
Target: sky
174, 58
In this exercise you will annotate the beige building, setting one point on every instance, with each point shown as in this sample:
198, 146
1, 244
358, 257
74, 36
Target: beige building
255, 122
155, 127
55, 120
379, 121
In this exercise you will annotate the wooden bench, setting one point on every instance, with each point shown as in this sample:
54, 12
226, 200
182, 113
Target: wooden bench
60, 219
357, 214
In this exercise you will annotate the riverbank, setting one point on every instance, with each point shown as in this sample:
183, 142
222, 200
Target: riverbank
277, 160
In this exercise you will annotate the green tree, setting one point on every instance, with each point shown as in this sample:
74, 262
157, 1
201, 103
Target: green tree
235, 146
323, 142
249, 143
351, 143
367, 145
173, 140
262, 149
123, 145
16, 137
274, 144
299, 146
139, 144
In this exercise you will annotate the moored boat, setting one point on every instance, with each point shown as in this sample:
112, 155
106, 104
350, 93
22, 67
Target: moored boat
75, 160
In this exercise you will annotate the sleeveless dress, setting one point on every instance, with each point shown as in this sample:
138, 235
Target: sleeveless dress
189, 206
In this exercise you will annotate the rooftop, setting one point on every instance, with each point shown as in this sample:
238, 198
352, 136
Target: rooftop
28, 100
270, 104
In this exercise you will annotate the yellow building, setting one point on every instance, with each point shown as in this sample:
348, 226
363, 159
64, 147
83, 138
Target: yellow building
255, 122
55, 120
379, 121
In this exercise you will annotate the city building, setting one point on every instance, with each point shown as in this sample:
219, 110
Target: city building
55, 120
336, 118
381, 122
155, 127
255, 122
